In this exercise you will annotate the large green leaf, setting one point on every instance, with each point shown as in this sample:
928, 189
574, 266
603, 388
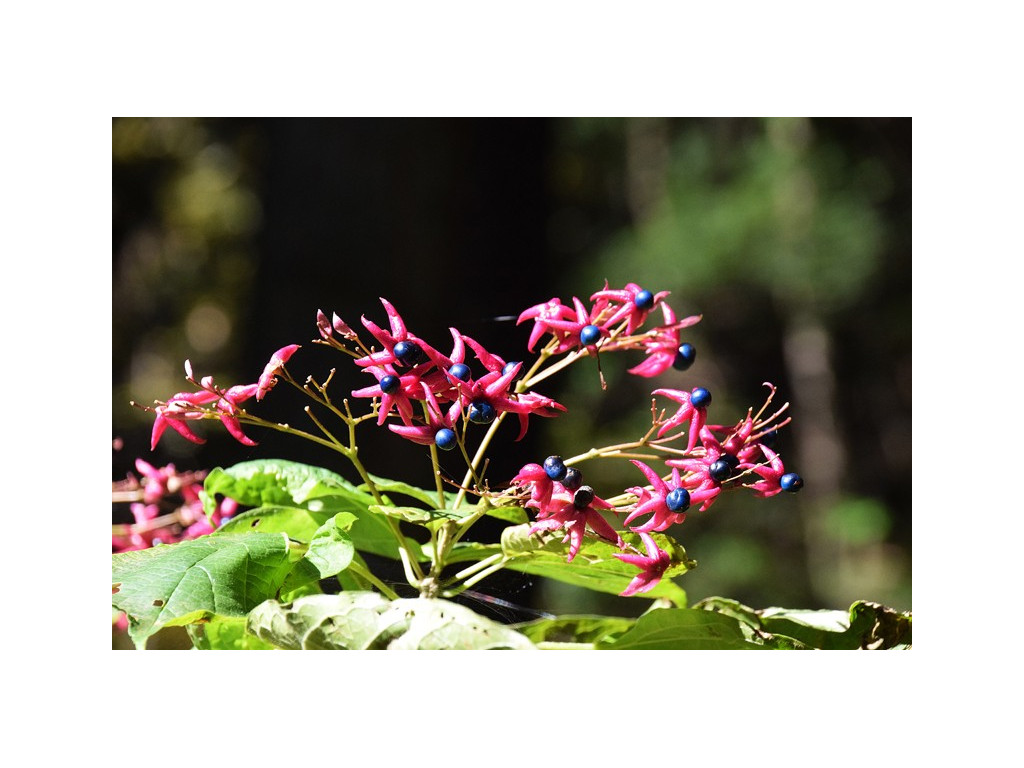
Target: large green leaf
595, 565
299, 523
215, 575
277, 482
367, 621
279, 489
864, 626
683, 629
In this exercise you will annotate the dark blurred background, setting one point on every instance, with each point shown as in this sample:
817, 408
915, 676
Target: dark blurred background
791, 236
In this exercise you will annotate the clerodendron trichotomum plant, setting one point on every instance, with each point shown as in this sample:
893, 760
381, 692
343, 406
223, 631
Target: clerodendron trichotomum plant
276, 554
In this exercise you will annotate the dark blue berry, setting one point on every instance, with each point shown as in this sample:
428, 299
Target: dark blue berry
791, 482
460, 371
445, 439
644, 300
389, 384
590, 334
508, 367
481, 412
555, 467
724, 467
678, 500
573, 479
700, 398
408, 352
768, 439
684, 357
583, 496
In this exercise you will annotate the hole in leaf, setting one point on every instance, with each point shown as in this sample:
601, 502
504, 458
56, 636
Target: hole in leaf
115, 588
158, 603
255, 522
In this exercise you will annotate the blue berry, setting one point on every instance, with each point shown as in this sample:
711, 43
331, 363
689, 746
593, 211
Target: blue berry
644, 300
408, 352
481, 412
685, 356
791, 482
768, 439
678, 500
445, 439
573, 479
389, 384
700, 398
590, 335
724, 467
555, 467
460, 371
583, 496
508, 367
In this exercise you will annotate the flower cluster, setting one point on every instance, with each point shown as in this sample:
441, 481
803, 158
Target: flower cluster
715, 457
449, 392
432, 398
611, 323
165, 506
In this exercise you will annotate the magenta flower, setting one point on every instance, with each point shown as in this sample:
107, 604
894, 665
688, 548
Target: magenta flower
541, 314
662, 344
574, 514
228, 406
771, 474
652, 567
584, 330
705, 474
188, 406
393, 391
179, 409
635, 304
400, 346
427, 434
693, 408
269, 376
541, 486
667, 504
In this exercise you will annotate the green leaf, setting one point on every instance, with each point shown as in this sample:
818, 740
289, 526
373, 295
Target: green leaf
225, 634
515, 515
298, 523
443, 625
386, 485
330, 552
576, 629
276, 482
865, 625
215, 575
367, 621
595, 565
683, 629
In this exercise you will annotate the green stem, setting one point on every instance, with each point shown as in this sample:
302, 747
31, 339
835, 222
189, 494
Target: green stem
368, 576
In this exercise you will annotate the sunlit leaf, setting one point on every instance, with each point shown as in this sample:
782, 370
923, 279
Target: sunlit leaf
367, 621
225, 634
215, 575
595, 565
277, 482
683, 629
